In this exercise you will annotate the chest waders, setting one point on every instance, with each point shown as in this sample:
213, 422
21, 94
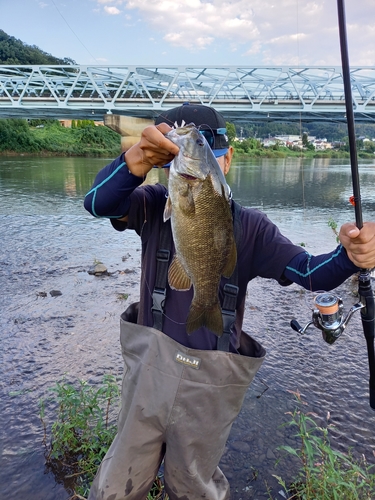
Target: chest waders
178, 404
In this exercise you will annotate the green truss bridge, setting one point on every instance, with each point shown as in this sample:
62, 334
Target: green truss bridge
241, 93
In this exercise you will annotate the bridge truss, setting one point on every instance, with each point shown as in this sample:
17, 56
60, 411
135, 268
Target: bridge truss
241, 93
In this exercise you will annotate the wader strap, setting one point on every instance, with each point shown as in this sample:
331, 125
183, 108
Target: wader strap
162, 264
230, 290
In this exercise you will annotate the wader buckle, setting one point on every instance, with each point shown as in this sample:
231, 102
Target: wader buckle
158, 297
231, 290
163, 255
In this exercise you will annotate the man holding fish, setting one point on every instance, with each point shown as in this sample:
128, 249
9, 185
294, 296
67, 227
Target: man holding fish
188, 363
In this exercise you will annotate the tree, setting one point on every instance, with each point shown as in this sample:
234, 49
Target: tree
231, 132
369, 146
305, 140
14, 51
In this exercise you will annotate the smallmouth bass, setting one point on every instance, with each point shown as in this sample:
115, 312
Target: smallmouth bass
202, 227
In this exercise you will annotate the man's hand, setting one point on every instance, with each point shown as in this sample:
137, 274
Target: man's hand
152, 149
359, 244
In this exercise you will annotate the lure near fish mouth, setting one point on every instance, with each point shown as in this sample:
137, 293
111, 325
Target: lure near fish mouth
201, 220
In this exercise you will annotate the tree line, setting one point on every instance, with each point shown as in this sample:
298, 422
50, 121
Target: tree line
14, 51
48, 137
331, 131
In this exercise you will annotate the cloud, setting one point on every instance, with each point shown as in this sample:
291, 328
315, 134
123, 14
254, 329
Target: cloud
263, 31
194, 24
178, 40
286, 39
113, 11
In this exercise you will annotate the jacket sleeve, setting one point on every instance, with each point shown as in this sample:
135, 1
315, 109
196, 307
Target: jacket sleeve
109, 195
321, 272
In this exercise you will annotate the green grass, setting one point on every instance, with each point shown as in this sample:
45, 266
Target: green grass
83, 429
82, 432
89, 140
325, 474
17, 136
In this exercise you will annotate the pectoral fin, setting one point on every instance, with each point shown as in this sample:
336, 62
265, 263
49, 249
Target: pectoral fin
167, 209
177, 277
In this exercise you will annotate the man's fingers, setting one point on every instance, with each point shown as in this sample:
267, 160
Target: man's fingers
153, 149
353, 233
164, 128
155, 137
359, 244
165, 143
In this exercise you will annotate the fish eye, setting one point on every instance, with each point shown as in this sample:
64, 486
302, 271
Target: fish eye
200, 142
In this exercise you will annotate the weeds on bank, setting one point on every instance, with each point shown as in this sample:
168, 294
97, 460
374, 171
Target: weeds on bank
122, 296
334, 226
82, 433
157, 491
325, 474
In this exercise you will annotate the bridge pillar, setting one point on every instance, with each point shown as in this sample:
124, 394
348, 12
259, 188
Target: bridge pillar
128, 127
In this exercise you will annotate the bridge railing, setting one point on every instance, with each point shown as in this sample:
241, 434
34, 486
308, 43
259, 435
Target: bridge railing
147, 90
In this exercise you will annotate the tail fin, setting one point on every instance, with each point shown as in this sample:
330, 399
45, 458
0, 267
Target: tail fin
210, 317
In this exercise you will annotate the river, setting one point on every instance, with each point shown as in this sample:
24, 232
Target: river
49, 242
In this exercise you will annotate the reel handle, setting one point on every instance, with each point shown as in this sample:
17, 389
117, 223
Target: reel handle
296, 326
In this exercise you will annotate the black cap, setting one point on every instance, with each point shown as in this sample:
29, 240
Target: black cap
204, 117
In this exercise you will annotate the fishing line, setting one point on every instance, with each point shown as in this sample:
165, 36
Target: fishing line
163, 313
300, 129
300, 113
161, 114
74, 33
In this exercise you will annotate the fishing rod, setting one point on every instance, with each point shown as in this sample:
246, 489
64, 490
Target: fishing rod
328, 314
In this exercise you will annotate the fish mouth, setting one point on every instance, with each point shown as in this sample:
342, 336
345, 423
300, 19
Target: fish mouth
188, 177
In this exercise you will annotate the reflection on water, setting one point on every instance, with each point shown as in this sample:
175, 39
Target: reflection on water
318, 183
48, 242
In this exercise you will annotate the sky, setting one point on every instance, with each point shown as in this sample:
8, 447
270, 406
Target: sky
193, 32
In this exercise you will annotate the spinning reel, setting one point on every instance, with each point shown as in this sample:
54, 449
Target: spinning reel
328, 316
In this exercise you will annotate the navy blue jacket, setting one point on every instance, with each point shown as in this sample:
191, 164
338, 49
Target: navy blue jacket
263, 251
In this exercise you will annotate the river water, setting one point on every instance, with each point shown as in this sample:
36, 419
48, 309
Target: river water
49, 242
